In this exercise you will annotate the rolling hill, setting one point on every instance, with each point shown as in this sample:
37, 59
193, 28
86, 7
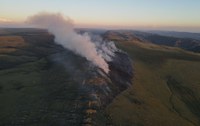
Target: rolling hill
190, 44
165, 89
149, 84
42, 83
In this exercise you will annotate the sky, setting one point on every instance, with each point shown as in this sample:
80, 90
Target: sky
174, 15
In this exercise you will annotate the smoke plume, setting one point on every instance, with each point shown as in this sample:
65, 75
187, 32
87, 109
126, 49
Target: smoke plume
63, 30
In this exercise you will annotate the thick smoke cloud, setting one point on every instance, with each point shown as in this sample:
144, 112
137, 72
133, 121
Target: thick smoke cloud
63, 30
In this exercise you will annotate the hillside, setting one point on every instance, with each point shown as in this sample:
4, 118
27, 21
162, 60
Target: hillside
42, 83
165, 89
155, 38
177, 34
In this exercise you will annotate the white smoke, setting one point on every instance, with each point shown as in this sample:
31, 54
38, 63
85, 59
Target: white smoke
63, 30
105, 48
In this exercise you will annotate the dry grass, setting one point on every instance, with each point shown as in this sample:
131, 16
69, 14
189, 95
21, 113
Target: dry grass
10, 43
13, 41
147, 102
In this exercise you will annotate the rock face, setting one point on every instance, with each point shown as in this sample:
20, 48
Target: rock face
47, 85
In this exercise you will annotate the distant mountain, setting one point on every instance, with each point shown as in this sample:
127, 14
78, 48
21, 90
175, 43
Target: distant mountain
184, 43
88, 30
177, 34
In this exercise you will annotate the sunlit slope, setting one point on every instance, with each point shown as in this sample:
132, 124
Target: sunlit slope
165, 90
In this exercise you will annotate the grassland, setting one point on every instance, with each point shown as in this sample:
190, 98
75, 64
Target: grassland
33, 89
10, 43
165, 90
36, 91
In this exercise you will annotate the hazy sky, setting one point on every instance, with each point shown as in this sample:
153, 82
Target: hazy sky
132, 14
